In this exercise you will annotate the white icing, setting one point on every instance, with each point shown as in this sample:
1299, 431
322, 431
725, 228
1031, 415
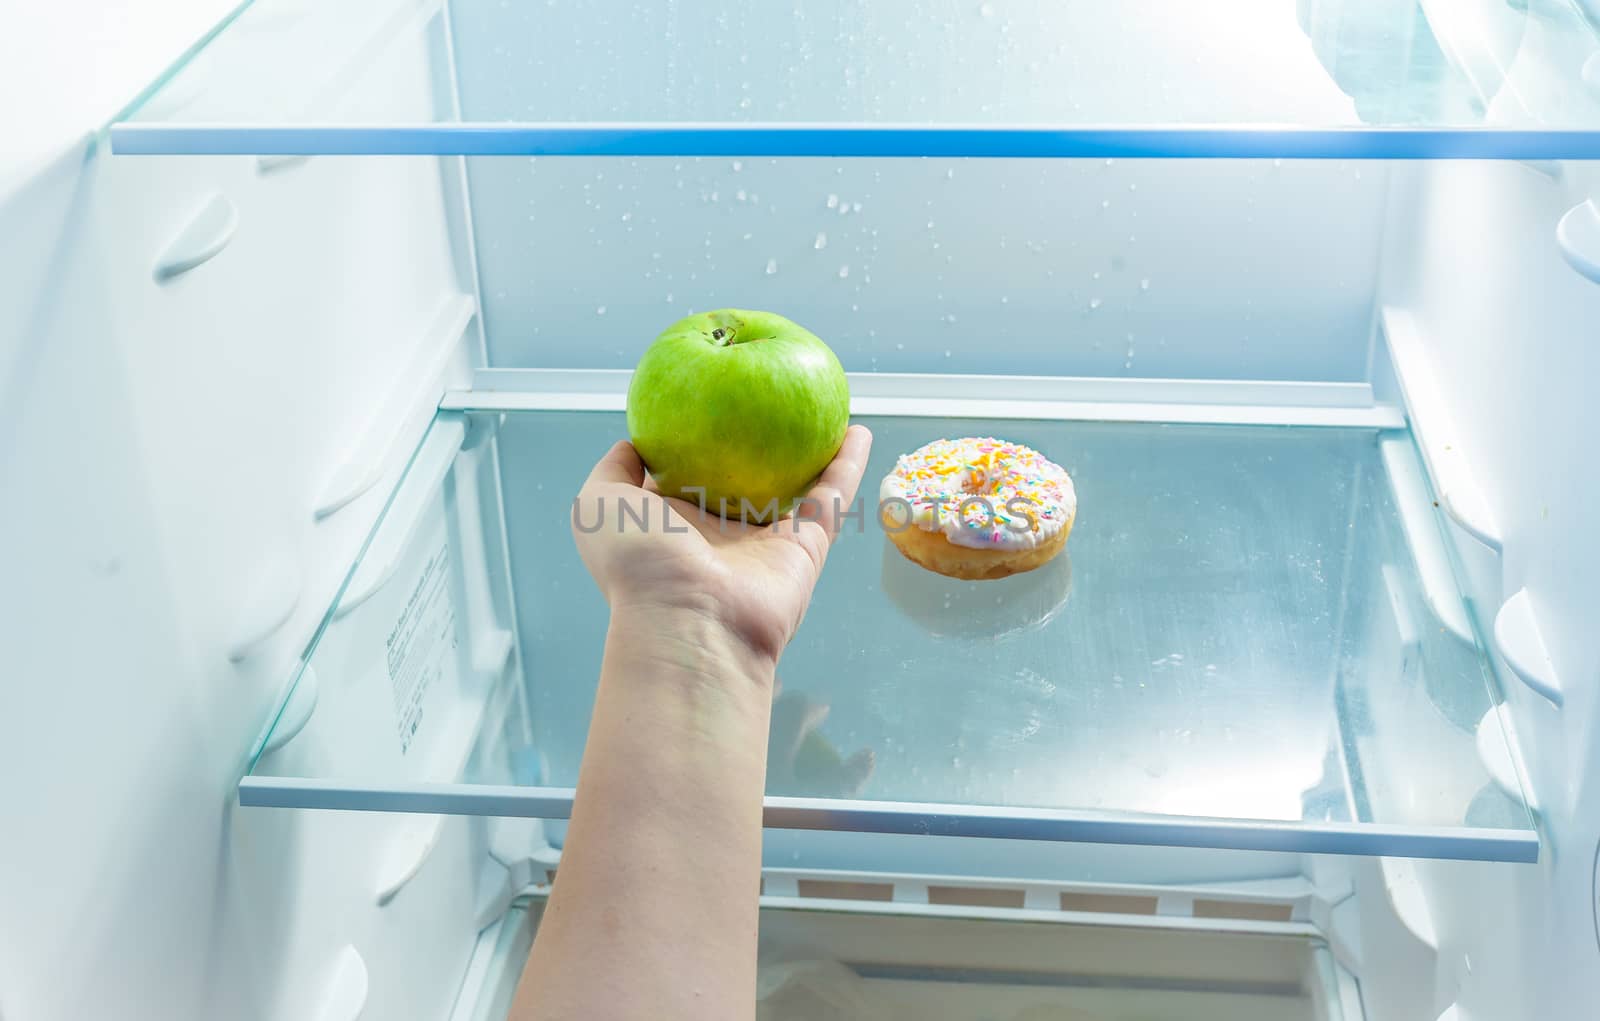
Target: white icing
980, 493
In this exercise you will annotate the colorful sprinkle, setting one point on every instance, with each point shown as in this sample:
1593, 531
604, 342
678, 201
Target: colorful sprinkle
982, 491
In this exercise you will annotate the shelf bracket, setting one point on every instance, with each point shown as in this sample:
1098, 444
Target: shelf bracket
272, 164
417, 492
200, 240
1578, 236
405, 411
409, 849
1501, 755
1521, 645
296, 712
1435, 429
272, 601
526, 862
1405, 894
1421, 530
346, 994
1550, 169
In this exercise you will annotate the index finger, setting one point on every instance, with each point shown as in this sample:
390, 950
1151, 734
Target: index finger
620, 464
835, 490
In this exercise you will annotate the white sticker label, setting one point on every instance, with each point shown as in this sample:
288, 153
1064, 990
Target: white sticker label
422, 639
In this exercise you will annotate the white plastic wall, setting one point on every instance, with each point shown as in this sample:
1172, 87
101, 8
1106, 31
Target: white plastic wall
1511, 335
161, 448
1192, 269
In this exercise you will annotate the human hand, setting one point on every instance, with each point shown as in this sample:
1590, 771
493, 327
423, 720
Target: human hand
653, 554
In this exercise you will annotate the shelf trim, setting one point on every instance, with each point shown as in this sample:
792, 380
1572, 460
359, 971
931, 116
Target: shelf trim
1212, 141
1064, 398
932, 819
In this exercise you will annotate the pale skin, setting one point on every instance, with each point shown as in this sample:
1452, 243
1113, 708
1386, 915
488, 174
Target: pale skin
655, 911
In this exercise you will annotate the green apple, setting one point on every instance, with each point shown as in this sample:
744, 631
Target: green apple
744, 408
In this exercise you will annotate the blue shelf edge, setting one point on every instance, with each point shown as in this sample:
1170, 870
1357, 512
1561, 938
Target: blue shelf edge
887, 141
1052, 824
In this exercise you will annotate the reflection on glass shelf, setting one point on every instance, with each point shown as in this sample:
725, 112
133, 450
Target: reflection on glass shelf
481, 77
1236, 650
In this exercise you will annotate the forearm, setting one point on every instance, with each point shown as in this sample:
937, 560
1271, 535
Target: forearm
654, 914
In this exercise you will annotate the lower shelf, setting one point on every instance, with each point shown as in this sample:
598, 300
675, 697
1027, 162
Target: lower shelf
881, 968
1237, 650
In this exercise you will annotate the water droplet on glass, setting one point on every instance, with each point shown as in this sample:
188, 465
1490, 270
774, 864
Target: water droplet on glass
1105, 203
949, 175
600, 311
1133, 187
949, 317
772, 267
1095, 275
833, 201
747, 237
947, 354
740, 195
844, 271
1110, 163
737, 166
986, 10
899, 347
1094, 303
626, 217
821, 242
1004, 300
1144, 285
855, 207
744, 104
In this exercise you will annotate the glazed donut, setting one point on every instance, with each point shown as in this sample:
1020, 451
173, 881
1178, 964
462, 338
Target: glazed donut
977, 508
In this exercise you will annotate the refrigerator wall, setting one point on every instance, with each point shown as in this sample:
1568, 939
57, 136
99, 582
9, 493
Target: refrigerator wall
1509, 333
200, 367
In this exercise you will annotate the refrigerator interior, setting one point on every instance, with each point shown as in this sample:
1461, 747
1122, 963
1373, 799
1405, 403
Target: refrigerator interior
1300, 725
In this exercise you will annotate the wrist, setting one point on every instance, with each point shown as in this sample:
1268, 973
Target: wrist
688, 642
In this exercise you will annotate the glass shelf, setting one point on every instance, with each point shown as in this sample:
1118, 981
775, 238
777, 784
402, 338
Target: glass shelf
1236, 651
1247, 78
